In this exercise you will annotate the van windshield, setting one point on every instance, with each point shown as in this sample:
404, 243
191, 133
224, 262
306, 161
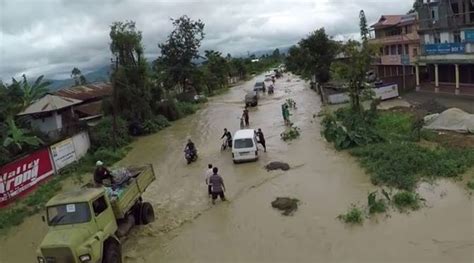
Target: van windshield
68, 214
243, 143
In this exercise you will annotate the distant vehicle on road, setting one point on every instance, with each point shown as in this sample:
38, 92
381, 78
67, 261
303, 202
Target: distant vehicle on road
244, 146
259, 86
251, 99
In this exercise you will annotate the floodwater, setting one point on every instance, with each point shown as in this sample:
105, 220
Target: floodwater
246, 228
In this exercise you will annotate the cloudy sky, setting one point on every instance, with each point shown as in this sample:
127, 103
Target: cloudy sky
51, 37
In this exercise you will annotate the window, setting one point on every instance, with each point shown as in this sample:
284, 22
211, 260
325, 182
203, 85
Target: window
243, 143
399, 50
457, 37
393, 50
415, 52
99, 205
434, 13
406, 49
68, 214
455, 8
386, 50
437, 38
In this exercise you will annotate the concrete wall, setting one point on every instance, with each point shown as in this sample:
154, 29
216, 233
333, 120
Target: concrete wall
81, 144
48, 124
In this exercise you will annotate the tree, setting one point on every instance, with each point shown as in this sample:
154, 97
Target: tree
416, 6
317, 52
130, 73
30, 93
364, 30
179, 50
276, 53
17, 138
78, 78
217, 68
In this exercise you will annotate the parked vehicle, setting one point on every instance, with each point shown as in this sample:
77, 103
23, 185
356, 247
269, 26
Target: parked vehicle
244, 146
251, 99
259, 86
85, 224
190, 156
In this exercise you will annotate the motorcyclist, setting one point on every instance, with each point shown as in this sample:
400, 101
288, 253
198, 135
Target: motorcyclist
190, 147
229, 137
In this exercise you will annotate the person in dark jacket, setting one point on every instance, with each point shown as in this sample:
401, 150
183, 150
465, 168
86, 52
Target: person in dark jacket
101, 173
245, 115
261, 139
229, 137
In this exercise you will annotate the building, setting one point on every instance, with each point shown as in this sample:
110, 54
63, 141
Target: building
53, 115
397, 37
446, 30
91, 97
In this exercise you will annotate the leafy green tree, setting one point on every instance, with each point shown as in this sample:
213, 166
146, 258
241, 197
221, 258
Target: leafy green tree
364, 30
78, 77
130, 73
17, 138
276, 53
218, 68
30, 93
11, 100
313, 56
178, 52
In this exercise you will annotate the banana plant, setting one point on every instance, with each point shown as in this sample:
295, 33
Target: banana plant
18, 137
31, 92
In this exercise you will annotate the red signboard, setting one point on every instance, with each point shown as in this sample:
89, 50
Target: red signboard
22, 175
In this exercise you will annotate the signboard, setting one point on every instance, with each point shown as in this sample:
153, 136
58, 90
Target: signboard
445, 48
22, 175
469, 35
63, 153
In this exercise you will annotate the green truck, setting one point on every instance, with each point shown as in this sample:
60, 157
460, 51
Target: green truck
85, 225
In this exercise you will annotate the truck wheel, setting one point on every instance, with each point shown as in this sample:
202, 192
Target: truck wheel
112, 252
147, 213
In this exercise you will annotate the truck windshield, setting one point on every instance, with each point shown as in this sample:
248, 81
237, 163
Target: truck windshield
68, 214
243, 143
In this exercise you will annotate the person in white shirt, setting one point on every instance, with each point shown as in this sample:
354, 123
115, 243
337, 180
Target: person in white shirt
207, 175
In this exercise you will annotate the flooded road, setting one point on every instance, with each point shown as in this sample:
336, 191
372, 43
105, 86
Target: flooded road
246, 228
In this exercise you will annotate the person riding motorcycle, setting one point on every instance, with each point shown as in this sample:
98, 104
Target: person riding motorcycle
190, 147
229, 137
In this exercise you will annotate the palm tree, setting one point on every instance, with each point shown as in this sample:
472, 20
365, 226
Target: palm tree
32, 92
19, 137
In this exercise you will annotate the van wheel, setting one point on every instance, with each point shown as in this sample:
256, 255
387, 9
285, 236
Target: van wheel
147, 213
112, 252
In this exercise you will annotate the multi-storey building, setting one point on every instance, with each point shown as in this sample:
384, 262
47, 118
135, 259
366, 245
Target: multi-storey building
397, 37
446, 29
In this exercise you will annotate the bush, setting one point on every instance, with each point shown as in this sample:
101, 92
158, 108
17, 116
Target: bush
347, 129
449, 162
470, 185
394, 126
186, 108
101, 134
353, 216
406, 200
290, 134
168, 109
12, 217
46, 191
376, 205
156, 124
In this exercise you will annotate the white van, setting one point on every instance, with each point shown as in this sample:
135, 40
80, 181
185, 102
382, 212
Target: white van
244, 146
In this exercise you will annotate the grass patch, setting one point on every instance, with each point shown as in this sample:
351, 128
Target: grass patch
376, 205
406, 200
186, 108
355, 215
394, 126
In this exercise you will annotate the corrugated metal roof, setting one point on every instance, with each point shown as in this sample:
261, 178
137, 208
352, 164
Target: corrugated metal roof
87, 92
394, 20
49, 103
90, 109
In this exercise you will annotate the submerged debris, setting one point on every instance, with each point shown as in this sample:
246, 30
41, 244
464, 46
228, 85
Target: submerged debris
277, 165
286, 204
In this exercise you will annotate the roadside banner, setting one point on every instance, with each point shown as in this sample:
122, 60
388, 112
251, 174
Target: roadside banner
20, 176
63, 153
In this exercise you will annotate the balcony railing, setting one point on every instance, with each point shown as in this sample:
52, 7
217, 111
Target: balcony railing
444, 48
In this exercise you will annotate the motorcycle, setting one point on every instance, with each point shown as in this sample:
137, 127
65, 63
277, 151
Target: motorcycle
190, 156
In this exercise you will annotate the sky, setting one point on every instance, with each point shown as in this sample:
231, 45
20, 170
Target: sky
50, 37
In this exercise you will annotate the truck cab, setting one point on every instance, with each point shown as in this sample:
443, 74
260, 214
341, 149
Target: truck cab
85, 224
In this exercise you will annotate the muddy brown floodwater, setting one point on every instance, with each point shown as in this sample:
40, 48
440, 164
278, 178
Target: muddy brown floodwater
246, 228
